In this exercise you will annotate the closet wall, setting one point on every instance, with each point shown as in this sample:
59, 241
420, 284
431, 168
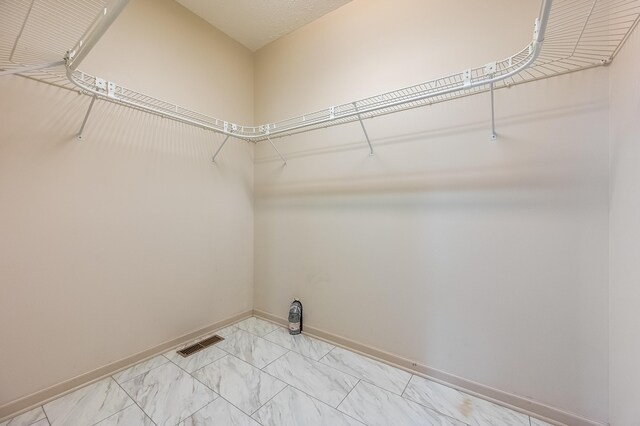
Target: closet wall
625, 235
131, 237
484, 260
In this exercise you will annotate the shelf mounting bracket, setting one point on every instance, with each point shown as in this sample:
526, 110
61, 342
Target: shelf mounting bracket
490, 71
364, 129
86, 117
494, 135
284, 160
220, 148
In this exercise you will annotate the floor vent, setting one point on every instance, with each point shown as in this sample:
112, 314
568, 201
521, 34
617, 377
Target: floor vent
196, 347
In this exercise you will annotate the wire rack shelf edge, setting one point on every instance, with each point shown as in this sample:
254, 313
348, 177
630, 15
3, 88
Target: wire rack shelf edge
569, 36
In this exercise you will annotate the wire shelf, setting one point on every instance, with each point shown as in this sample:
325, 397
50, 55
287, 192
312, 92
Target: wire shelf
569, 36
41, 32
579, 34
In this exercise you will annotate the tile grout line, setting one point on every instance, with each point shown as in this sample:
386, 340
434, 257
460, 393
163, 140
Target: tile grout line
205, 406
316, 399
32, 423
169, 361
288, 349
297, 351
262, 369
199, 338
199, 368
269, 400
309, 358
366, 379
117, 412
268, 341
105, 418
417, 403
312, 361
219, 395
180, 346
332, 368
138, 375
219, 359
406, 386
231, 403
134, 402
501, 407
348, 393
45, 415
244, 412
322, 357
260, 319
303, 392
212, 346
345, 397
284, 347
466, 394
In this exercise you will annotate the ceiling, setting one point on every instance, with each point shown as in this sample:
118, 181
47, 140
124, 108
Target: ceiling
256, 23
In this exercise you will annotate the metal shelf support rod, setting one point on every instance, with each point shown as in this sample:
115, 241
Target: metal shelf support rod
86, 117
366, 135
284, 160
220, 148
494, 135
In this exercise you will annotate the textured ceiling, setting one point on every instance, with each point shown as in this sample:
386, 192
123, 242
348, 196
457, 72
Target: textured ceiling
256, 23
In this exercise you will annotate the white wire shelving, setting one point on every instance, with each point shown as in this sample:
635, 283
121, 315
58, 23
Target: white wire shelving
36, 41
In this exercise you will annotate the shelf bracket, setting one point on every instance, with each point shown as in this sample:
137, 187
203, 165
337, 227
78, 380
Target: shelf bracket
494, 135
284, 160
220, 148
490, 71
31, 68
366, 135
86, 117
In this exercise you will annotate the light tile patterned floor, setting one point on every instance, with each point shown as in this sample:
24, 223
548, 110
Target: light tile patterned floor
261, 376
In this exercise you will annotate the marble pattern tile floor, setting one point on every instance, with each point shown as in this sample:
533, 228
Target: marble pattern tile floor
301, 343
466, 408
367, 369
88, 405
240, 383
26, 419
317, 380
261, 376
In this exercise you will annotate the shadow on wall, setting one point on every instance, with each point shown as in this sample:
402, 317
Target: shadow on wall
58, 111
431, 133
131, 138
539, 150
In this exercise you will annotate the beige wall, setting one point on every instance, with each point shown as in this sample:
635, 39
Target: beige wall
132, 237
625, 235
484, 260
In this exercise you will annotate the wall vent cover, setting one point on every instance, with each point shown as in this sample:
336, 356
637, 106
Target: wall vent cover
198, 346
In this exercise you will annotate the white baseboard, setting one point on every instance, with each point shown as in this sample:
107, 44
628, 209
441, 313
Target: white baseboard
527, 406
36, 399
